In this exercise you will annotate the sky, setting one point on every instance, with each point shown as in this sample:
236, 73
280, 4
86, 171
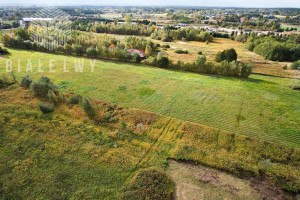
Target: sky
207, 3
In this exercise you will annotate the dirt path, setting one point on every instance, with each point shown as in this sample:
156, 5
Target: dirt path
196, 182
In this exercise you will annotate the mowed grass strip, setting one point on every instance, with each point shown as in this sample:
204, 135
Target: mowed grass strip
261, 106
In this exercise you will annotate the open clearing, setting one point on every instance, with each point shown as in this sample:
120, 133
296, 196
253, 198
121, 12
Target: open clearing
194, 182
261, 106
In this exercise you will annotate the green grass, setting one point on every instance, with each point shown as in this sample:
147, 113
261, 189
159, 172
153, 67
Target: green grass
58, 157
64, 155
285, 27
261, 106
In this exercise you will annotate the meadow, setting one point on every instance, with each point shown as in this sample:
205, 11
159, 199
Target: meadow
260, 107
66, 155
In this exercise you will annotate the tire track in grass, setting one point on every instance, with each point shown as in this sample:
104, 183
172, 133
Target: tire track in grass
154, 143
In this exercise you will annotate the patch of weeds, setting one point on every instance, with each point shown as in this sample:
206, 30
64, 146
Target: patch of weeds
145, 91
89, 88
63, 84
124, 125
46, 107
144, 82
107, 116
75, 99
122, 88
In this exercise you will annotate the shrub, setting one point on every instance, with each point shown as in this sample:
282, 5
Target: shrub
26, 81
107, 116
199, 52
166, 46
207, 42
88, 107
284, 67
42, 87
53, 98
162, 60
167, 39
228, 55
68, 49
148, 50
136, 58
79, 50
205, 36
3, 51
75, 99
46, 107
179, 51
246, 70
91, 52
219, 57
150, 183
295, 65
124, 125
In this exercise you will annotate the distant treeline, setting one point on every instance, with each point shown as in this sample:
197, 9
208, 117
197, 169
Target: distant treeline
226, 68
123, 29
102, 46
168, 34
276, 48
83, 44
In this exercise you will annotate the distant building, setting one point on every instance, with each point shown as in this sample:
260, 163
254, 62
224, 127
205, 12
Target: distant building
242, 19
140, 52
112, 47
133, 23
25, 21
21, 24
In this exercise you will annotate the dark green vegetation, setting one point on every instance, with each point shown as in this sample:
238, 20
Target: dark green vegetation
180, 51
276, 48
228, 55
3, 51
167, 34
295, 65
123, 29
261, 106
234, 69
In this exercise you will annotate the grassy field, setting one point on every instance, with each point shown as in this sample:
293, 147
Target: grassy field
261, 106
260, 64
65, 155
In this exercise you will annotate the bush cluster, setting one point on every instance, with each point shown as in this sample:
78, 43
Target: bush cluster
180, 51
276, 48
42, 87
295, 65
3, 51
167, 34
46, 107
75, 99
228, 55
89, 108
26, 81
